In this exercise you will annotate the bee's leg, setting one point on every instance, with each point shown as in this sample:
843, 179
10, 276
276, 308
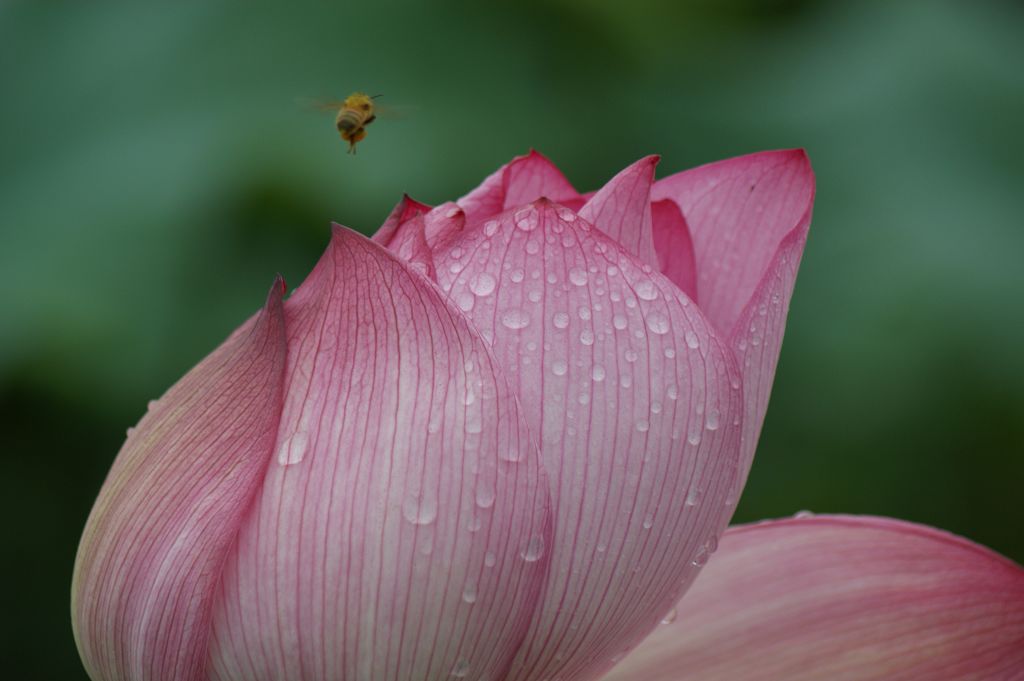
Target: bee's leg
371, 119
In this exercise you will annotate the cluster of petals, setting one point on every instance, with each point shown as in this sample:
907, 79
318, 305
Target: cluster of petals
499, 441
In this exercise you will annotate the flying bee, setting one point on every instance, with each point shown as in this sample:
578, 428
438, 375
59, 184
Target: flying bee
354, 114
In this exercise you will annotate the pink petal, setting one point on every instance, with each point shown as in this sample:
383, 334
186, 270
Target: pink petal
628, 389
622, 210
749, 218
169, 511
738, 212
406, 210
524, 179
674, 246
443, 222
757, 339
403, 528
839, 598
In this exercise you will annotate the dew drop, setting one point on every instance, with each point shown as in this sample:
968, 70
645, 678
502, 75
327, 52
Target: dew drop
672, 392
515, 319
559, 367
560, 320
694, 496
534, 550
419, 510
646, 290
619, 322
701, 558
485, 496
511, 454
670, 616
293, 449
474, 524
643, 426
566, 214
465, 301
648, 522
490, 227
490, 560
597, 373
804, 514
630, 355
469, 592
578, 276
587, 337
482, 284
461, 668
657, 323
516, 276
713, 420
532, 246
128, 433
692, 341
526, 219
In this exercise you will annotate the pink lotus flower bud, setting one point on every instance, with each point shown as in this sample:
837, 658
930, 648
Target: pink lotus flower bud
497, 441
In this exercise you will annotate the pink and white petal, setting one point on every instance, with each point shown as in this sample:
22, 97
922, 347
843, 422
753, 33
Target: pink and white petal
406, 210
622, 210
842, 598
739, 211
409, 243
629, 390
167, 515
524, 179
674, 246
401, 531
757, 339
443, 222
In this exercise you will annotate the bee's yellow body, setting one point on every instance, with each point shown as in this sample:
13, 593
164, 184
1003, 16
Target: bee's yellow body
356, 112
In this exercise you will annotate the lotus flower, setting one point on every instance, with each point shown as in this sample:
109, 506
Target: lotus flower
499, 441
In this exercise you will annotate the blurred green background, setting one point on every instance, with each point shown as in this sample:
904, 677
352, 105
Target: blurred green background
156, 170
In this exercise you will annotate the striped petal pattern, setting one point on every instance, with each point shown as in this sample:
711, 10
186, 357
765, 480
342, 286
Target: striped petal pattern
844, 598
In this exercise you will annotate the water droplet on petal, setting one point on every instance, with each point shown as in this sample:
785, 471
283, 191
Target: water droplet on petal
559, 367
490, 560
804, 514
482, 284
713, 418
646, 290
515, 319
597, 373
469, 592
587, 337
648, 522
560, 320
670, 616
619, 322
578, 276
293, 449
526, 219
461, 668
694, 496
490, 227
657, 323
485, 496
534, 550
419, 510
692, 341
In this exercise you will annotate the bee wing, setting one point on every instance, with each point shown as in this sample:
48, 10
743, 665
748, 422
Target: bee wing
320, 104
393, 112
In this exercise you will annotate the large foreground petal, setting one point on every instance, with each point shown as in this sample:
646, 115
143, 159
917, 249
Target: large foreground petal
170, 509
842, 598
402, 530
636, 403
